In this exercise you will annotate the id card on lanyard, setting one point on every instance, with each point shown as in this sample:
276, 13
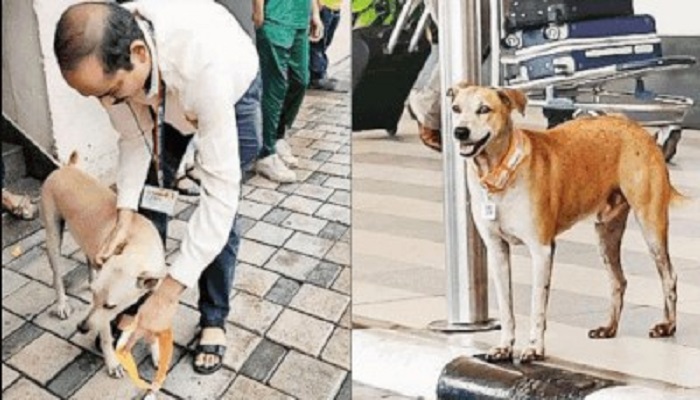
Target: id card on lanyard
158, 198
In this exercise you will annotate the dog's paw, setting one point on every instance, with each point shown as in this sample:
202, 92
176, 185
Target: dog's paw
63, 310
531, 354
155, 354
115, 370
603, 332
663, 329
499, 354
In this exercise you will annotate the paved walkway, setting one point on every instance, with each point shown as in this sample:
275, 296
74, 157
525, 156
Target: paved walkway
288, 332
399, 268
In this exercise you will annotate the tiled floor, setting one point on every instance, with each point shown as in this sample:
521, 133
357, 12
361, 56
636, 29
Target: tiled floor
288, 331
399, 268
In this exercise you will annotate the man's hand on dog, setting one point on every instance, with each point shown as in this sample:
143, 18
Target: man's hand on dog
157, 312
115, 242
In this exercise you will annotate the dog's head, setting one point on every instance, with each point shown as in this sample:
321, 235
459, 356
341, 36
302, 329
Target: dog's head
121, 281
482, 115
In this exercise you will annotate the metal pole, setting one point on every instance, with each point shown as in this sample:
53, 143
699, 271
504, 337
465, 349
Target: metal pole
467, 285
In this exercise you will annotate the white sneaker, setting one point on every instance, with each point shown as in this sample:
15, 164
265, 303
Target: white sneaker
283, 149
272, 168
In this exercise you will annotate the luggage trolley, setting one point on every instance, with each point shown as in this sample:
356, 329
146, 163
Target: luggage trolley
564, 61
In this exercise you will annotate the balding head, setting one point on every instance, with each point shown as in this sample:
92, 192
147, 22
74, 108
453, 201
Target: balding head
105, 30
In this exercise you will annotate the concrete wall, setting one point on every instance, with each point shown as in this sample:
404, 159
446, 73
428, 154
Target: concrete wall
673, 17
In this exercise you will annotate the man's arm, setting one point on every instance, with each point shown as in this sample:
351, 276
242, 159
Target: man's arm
258, 13
316, 28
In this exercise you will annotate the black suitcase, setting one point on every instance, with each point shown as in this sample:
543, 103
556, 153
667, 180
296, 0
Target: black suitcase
525, 14
382, 87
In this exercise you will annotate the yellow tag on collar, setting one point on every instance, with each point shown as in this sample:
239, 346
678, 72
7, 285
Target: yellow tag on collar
165, 345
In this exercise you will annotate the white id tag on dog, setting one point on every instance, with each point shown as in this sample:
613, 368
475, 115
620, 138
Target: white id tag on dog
488, 210
159, 199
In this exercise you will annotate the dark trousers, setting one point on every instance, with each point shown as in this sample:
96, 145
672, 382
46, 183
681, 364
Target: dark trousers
216, 281
318, 60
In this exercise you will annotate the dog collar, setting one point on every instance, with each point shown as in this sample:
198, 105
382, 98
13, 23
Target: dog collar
497, 178
165, 347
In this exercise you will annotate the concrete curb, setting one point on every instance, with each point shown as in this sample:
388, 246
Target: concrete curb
417, 365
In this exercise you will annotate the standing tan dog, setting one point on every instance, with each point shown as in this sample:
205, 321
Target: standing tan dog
70, 196
527, 187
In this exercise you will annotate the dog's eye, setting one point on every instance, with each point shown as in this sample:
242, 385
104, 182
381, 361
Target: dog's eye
456, 109
109, 306
483, 110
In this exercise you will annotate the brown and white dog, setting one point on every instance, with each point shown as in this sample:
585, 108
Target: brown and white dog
70, 196
527, 187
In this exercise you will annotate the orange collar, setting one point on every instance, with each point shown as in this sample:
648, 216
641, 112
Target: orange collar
497, 178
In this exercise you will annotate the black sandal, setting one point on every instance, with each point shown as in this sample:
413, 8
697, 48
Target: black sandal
208, 349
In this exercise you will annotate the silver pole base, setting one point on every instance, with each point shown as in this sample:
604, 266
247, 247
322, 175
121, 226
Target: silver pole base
444, 326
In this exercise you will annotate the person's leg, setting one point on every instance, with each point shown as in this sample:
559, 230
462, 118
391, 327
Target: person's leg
217, 279
298, 73
274, 63
424, 106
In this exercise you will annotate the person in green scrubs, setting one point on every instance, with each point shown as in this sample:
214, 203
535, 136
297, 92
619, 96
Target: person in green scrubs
283, 30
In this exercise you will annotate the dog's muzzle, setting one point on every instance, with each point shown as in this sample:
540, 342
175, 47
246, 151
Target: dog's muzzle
462, 133
470, 149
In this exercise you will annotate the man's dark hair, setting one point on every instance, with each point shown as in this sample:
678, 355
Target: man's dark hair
72, 41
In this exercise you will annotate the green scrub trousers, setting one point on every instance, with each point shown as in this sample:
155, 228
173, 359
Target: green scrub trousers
283, 49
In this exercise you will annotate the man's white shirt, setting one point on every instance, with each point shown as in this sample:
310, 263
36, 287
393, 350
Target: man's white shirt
207, 63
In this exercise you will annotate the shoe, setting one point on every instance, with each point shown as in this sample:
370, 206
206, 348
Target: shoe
284, 151
272, 168
208, 349
20, 206
328, 84
430, 137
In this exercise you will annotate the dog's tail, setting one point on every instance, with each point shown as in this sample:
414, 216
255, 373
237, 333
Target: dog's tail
73, 158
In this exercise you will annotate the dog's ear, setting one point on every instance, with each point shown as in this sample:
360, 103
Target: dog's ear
452, 92
147, 280
514, 99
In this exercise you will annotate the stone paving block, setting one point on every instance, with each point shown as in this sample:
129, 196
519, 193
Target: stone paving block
337, 183
341, 198
192, 386
75, 375
29, 300
309, 245
177, 229
9, 253
64, 328
346, 236
26, 389
345, 150
320, 302
301, 204
244, 224
44, 357
9, 375
324, 274
339, 254
146, 367
10, 323
283, 291
320, 381
322, 156
261, 182
253, 312
254, 253
304, 223
343, 159
269, 234
240, 345
344, 282
314, 192
334, 213
341, 132
101, 383
346, 319
276, 216
336, 138
185, 325
304, 152
300, 331
288, 188
254, 280
303, 174
326, 145
17, 340
11, 281
264, 361
299, 141
39, 268
291, 264
345, 392
309, 165
337, 349
317, 178
335, 169
309, 134
333, 231
26, 258
253, 209
266, 196
247, 389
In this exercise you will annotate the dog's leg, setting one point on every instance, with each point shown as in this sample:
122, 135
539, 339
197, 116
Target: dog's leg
114, 368
53, 223
542, 256
610, 228
498, 258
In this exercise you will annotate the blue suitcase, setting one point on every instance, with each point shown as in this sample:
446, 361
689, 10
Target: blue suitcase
570, 60
590, 30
